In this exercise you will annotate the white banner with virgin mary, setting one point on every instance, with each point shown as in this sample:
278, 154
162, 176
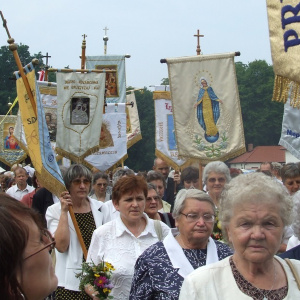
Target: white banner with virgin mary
79, 114
113, 139
206, 107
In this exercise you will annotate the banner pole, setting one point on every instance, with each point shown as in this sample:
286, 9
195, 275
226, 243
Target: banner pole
13, 47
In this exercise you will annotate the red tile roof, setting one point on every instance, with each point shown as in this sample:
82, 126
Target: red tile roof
261, 154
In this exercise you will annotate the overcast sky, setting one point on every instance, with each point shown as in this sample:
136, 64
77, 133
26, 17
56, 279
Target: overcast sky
147, 30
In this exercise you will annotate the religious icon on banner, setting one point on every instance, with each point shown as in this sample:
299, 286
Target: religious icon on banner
208, 111
128, 123
10, 141
171, 133
106, 139
51, 122
111, 86
80, 110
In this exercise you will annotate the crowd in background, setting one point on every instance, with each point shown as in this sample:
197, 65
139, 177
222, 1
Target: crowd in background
164, 231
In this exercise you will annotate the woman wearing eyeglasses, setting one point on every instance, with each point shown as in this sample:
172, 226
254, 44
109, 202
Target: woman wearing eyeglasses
152, 204
161, 269
25, 262
100, 190
69, 255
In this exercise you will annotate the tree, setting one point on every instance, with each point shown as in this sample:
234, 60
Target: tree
7, 68
262, 118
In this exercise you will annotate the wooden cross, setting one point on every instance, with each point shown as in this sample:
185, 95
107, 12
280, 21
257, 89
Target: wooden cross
198, 35
105, 29
47, 56
84, 36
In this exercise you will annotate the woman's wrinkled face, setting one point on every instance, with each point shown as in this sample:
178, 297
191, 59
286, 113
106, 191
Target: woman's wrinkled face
37, 277
152, 201
100, 185
80, 188
292, 184
197, 230
215, 183
255, 231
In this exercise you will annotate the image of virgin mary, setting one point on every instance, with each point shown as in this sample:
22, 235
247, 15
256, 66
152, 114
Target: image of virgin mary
208, 111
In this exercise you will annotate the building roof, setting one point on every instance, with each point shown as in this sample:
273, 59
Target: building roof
261, 154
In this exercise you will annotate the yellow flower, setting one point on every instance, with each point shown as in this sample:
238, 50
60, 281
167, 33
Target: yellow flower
96, 275
219, 225
106, 290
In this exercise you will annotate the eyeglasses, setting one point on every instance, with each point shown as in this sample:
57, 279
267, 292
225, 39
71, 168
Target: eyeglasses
102, 184
155, 198
48, 239
293, 182
80, 181
213, 180
207, 218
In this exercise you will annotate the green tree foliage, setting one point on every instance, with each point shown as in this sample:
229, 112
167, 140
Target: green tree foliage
7, 68
262, 118
141, 154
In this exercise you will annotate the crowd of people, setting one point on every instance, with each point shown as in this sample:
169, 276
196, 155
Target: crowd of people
213, 234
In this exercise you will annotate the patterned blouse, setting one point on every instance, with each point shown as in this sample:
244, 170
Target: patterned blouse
154, 275
257, 294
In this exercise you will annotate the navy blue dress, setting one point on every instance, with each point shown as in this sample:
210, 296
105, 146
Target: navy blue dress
154, 276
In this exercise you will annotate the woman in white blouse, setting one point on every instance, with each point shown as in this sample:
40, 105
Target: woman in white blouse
124, 239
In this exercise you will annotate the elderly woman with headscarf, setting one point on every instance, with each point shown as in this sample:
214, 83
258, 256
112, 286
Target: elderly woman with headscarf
161, 269
122, 240
69, 255
253, 212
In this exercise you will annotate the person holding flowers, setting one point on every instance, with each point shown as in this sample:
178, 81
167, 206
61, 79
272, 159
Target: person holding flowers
121, 241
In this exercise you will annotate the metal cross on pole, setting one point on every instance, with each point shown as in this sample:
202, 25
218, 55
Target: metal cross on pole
198, 35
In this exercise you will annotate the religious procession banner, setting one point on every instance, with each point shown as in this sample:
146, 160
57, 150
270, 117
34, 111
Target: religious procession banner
10, 151
79, 114
290, 133
133, 129
115, 82
48, 91
284, 28
165, 139
37, 135
206, 107
112, 141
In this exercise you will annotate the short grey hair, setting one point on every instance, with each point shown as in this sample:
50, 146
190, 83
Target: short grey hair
151, 186
217, 167
77, 171
120, 173
184, 194
255, 188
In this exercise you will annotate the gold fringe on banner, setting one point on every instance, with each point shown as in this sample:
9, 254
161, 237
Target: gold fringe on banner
162, 95
285, 88
134, 140
77, 159
170, 162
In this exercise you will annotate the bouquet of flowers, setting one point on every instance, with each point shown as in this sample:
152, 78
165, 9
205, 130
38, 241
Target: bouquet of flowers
98, 277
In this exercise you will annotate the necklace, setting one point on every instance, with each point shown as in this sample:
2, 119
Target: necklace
260, 290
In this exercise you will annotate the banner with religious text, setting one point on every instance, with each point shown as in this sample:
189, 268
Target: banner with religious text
37, 135
284, 29
112, 141
115, 82
290, 133
10, 151
165, 139
133, 129
206, 107
79, 114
